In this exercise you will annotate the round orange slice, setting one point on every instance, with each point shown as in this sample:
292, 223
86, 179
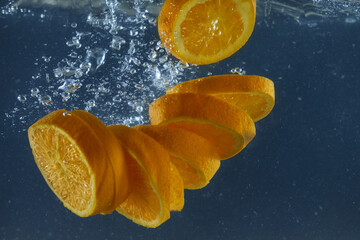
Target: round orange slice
156, 184
254, 94
81, 161
205, 31
228, 128
192, 154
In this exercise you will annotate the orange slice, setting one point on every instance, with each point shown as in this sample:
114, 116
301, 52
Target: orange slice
205, 31
228, 128
155, 182
192, 154
254, 94
81, 161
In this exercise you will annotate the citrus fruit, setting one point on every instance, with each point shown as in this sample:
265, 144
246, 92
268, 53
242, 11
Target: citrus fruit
192, 154
228, 128
205, 31
155, 182
81, 161
254, 94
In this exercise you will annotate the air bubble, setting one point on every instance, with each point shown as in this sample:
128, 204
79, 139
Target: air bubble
116, 42
46, 58
139, 109
117, 98
22, 98
34, 92
45, 100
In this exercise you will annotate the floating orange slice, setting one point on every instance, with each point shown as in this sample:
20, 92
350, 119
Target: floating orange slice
254, 94
228, 128
206, 31
81, 161
156, 184
192, 154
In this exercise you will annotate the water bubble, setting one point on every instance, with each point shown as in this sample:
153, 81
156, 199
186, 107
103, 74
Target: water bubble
163, 59
46, 58
73, 54
22, 98
73, 25
90, 104
103, 89
45, 100
117, 98
65, 96
133, 33
37, 76
238, 70
66, 114
116, 42
78, 73
73, 42
96, 57
58, 73
139, 109
34, 92
70, 85
132, 49
153, 55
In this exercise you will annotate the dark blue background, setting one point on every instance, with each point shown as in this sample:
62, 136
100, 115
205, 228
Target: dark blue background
298, 179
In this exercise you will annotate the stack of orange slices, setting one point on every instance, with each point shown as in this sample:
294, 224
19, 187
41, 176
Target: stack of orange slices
142, 171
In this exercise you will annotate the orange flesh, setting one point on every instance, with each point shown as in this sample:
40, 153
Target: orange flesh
188, 172
211, 132
143, 202
218, 33
66, 173
258, 102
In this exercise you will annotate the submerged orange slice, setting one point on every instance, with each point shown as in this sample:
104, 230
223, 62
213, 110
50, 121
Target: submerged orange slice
192, 154
254, 94
81, 161
206, 31
155, 182
228, 128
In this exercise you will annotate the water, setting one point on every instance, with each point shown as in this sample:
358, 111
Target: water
298, 179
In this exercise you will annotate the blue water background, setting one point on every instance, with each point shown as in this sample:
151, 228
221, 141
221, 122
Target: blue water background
298, 179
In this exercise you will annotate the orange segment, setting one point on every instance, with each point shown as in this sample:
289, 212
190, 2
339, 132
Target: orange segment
228, 128
206, 31
76, 155
156, 184
254, 94
192, 154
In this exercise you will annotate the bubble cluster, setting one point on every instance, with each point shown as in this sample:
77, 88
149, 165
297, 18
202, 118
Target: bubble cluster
113, 65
